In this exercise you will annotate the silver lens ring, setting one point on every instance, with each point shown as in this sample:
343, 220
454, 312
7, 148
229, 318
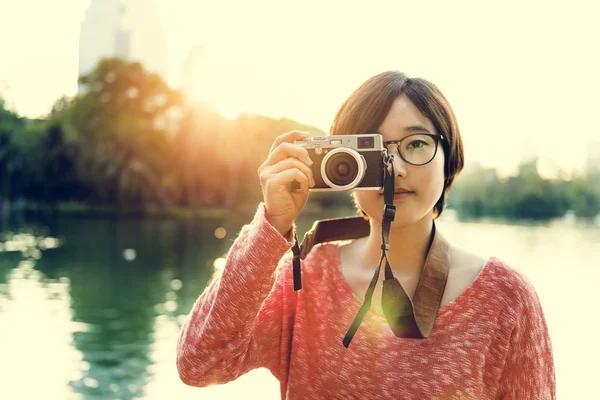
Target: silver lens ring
359, 161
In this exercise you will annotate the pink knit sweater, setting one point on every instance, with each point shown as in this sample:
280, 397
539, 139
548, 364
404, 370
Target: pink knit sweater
490, 342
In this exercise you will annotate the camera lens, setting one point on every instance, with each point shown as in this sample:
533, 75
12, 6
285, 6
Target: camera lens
341, 169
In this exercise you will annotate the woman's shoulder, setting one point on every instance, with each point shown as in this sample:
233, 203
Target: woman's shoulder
487, 277
513, 278
509, 282
498, 289
491, 269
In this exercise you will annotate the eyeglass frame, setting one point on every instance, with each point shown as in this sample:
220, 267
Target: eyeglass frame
437, 137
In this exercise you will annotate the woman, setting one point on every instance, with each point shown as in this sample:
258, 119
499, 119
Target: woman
489, 338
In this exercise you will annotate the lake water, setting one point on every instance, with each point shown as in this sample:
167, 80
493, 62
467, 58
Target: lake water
91, 307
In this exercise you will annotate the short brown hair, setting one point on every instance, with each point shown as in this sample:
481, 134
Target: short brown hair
366, 108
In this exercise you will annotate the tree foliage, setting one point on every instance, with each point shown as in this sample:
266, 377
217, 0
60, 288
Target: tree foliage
120, 124
481, 192
132, 141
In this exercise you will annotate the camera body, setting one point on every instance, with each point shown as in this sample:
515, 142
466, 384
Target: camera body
346, 162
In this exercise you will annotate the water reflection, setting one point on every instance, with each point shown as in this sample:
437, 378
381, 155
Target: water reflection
110, 290
38, 356
90, 308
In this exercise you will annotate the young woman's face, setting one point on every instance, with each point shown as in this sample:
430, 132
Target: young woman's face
425, 182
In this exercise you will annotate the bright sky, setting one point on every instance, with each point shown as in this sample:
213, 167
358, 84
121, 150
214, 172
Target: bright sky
522, 76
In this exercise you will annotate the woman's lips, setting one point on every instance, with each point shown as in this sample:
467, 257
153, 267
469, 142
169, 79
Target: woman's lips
401, 195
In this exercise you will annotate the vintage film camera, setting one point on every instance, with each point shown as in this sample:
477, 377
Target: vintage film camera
346, 162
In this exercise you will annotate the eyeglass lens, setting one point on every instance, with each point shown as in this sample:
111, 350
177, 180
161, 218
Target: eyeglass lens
416, 149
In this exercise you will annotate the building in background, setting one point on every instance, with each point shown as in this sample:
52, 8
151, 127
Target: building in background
127, 29
122, 44
147, 35
193, 77
592, 164
98, 37
528, 151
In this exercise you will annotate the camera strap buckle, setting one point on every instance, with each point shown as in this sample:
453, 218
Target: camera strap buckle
389, 212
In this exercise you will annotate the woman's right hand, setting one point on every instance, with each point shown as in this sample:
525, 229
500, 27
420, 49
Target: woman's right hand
287, 162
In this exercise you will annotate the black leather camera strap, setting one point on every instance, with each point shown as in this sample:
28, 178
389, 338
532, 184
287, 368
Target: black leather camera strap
407, 318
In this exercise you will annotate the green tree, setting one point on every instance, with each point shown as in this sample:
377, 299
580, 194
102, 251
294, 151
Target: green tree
584, 196
11, 158
53, 177
122, 125
480, 192
200, 170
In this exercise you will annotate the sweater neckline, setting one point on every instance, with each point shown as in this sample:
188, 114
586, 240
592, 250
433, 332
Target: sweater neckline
334, 248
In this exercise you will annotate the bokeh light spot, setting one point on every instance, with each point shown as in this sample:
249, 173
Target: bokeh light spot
176, 284
129, 254
170, 306
171, 296
90, 382
219, 264
220, 233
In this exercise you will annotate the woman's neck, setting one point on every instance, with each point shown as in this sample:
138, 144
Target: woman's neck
408, 246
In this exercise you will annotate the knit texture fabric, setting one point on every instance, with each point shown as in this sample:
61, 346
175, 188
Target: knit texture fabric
490, 342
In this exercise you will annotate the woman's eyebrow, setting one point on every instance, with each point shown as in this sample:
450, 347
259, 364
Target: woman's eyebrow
416, 128
408, 130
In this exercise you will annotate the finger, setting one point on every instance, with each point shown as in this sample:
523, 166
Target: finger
299, 187
286, 177
287, 150
289, 163
288, 137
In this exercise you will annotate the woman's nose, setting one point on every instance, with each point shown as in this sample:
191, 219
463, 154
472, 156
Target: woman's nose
400, 166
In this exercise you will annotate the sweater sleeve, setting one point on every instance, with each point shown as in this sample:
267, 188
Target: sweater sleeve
528, 371
236, 323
